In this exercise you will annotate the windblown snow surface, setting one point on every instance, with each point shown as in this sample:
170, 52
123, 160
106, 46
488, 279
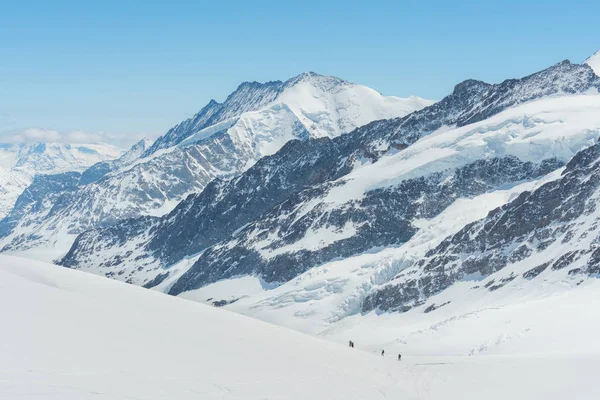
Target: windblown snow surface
71, 335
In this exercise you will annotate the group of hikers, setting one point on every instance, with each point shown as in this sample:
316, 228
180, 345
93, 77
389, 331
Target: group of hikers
351, 344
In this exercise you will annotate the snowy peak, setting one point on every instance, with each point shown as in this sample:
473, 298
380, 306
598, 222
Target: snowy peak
325, 83
221, 141
470, 87
563, 78
594, 62
98, 170
295, 184
249, 96
297, 91
136, 150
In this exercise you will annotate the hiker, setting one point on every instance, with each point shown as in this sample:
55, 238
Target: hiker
399, 357
350, 343
382, 352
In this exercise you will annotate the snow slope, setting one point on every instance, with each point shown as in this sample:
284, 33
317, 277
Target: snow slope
78, 336
594, 62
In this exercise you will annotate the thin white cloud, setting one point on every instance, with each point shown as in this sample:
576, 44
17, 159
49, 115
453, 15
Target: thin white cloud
35, 135
43, 135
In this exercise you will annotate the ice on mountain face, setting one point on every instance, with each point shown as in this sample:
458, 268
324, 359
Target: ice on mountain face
256, 120
594, 62
552, 231
317, 300
249, 96
287, 242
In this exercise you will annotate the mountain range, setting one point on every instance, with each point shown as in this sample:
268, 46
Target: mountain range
324, 206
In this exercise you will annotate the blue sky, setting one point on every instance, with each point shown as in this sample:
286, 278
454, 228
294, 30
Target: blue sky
128, 69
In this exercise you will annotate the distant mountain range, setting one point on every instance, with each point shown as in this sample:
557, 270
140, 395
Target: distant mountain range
19, 163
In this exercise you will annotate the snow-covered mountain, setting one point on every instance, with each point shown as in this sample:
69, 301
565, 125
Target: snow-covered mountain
19, 163
324, 199
594, 62
319, 105
221, 141
548, 232
12, 184
79, 336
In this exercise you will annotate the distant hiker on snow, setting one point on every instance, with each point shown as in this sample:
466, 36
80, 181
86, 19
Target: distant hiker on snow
351, 344
382, 352
399, 357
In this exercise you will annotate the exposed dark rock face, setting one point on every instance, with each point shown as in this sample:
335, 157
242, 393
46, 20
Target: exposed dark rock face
204, 219
560, 212
382, 218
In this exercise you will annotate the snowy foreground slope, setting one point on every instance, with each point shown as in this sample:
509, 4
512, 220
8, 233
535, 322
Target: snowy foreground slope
69, 335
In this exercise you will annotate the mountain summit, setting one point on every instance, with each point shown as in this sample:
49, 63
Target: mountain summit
299, 92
